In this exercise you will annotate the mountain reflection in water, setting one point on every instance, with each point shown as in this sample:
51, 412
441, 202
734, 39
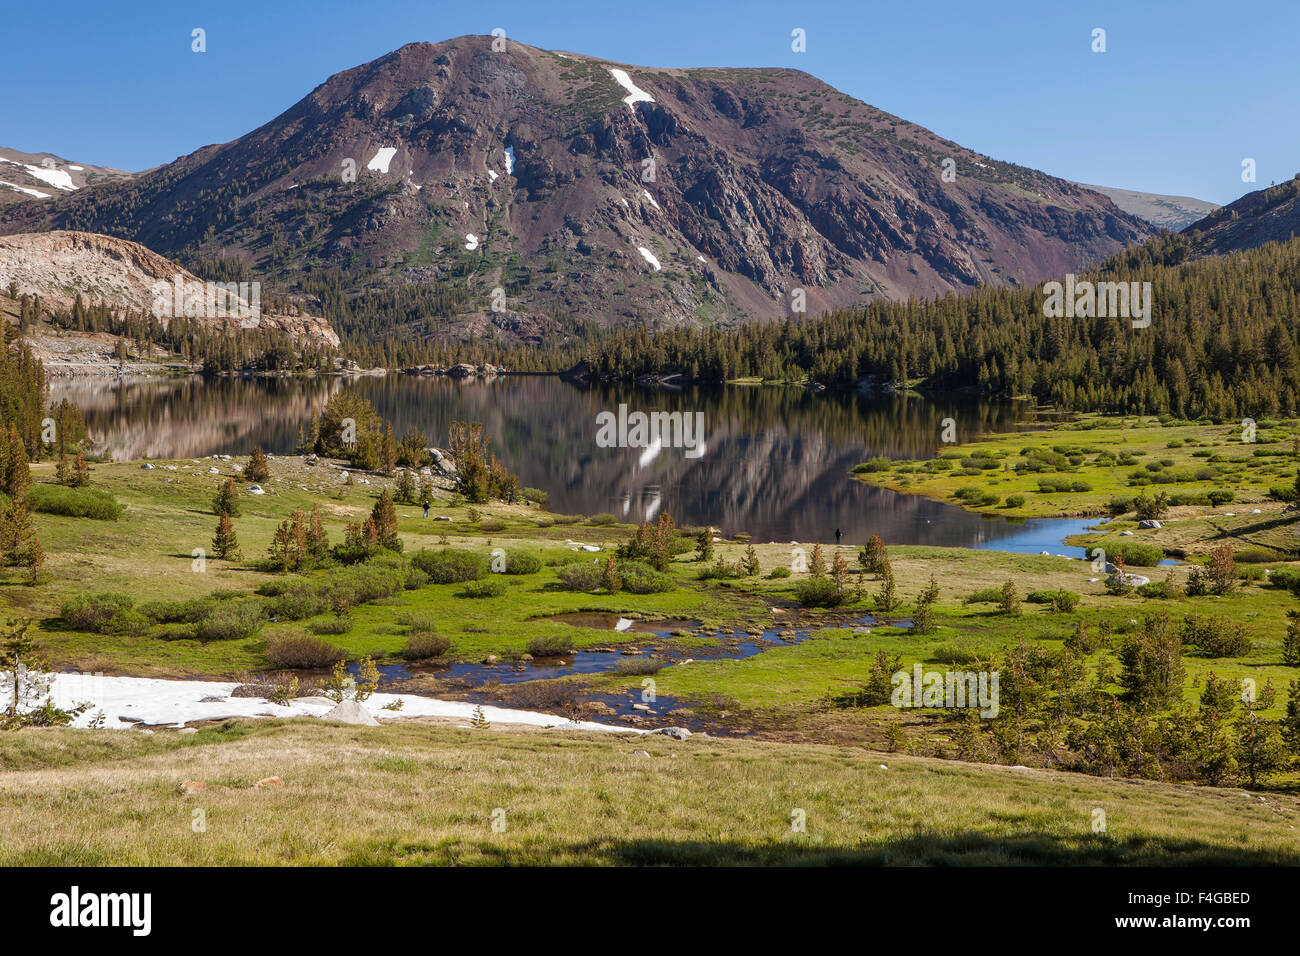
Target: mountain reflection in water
776, 464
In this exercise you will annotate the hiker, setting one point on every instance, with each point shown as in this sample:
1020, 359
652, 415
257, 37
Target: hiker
426, 509
837, 537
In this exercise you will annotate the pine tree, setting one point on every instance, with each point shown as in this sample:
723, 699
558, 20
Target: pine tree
318, 546
750, 565
872, 555
609, 578
226, 500
817, 564
384, 516
258, 468
704, 544
224, 544
81, 472
405, 486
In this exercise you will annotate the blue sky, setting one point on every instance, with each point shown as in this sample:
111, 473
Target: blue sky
1184, 92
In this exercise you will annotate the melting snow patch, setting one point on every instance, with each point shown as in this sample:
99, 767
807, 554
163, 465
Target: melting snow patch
648, 256
510, 160
634, 93
647, 195
623, 201
471, 241
77, 168
492, 174
57, 178
379, 162
702, 259
30, 192
151, 701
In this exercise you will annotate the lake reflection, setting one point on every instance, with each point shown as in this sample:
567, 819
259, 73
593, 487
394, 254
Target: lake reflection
776, 465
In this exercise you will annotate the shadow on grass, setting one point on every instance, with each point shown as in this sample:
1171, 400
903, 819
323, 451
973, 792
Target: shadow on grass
945, 850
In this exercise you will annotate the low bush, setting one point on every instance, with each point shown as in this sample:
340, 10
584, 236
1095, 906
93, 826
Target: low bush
640, 578
451, 565
92, 612
581, 577
335, 624
818, 592
230, 620
488, 588
522, 562
298, 649
423, 646
639, 666
74, 502
1135, 553
1214, 636
549, 645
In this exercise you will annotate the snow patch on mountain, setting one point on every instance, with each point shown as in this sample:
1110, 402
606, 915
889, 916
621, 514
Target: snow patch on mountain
649, 257
634, 93
379, 162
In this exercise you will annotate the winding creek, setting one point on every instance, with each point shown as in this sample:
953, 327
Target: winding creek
775, 464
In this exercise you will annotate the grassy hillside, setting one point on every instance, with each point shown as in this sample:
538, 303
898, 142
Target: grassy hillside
426, 794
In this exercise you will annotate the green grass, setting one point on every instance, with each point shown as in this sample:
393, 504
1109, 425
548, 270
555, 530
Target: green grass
422, 793
1247, 468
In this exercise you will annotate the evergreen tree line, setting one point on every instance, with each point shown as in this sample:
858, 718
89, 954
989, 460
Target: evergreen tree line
1223, 342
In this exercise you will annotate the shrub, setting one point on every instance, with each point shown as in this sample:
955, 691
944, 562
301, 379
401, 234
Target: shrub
483, 589
451, 565
1117, 506
604, 518
1256, 556
1214, 636
1220, 497
423, 646
581, 577
175, 612
549, 645
1135, 553
818, 592
879, 463
954, 653
492, 524
780, 571
298, 649
231, 620
127, 621
93, 612
639, 666
1284, 577
73, 502
535, 494
640, 578
522, 562
1015, 501
985, 596
337, 624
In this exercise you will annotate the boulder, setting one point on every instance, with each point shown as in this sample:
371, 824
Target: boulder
677, 733
350, 712
1150, 523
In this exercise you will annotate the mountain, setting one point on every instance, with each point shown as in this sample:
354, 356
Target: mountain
1164, 212
588, 189
1265, 215
62, 266
44, 175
